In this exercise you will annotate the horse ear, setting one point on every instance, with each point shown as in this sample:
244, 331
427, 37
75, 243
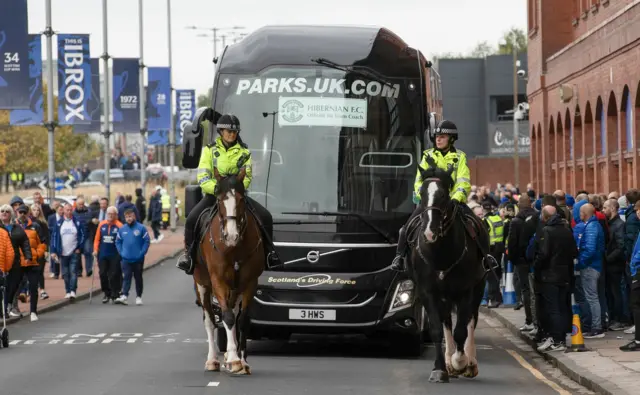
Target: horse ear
242, 174
216, 174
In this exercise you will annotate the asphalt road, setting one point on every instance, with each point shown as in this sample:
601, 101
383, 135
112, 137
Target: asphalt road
160, 348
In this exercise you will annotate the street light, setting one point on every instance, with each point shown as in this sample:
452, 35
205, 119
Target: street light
516, 136
215, 31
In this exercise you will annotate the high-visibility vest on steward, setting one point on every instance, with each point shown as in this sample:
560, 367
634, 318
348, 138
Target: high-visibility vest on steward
496, 229
461, 176
228, 161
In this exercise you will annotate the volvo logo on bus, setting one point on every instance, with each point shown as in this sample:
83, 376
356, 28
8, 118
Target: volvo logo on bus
313, 256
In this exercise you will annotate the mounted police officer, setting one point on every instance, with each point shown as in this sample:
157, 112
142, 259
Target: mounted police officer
230, 155
444, 154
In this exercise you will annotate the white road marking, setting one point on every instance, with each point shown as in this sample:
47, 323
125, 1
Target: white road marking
213, 384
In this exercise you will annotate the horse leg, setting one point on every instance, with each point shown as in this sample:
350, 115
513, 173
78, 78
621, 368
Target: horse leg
229, 321
244, 323
460, 359
439, 373
448, 341
212, 363
470, 344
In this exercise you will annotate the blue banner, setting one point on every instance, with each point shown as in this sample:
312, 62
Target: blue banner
74, 79
159, 98
185, 108
33, 115
158, 137
14, 50
126, 92
93, 102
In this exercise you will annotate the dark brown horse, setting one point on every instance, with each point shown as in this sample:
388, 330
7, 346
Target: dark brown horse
231, 259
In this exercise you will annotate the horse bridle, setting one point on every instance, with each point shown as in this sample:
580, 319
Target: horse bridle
242, 223
447, 221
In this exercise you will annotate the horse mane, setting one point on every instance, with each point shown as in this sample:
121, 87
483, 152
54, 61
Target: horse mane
226, 184
436, 172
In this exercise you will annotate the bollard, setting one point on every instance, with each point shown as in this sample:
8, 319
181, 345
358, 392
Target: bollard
509, 296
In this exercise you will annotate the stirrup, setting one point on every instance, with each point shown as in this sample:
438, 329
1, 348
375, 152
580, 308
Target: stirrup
492, 265
185, 263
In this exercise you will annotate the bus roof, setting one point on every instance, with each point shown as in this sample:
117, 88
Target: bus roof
375, 47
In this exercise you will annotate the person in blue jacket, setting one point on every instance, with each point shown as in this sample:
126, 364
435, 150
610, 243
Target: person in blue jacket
67, 242
590, 241
132, 243
634, 265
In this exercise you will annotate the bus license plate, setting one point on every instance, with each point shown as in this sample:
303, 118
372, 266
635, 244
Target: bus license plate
315, 315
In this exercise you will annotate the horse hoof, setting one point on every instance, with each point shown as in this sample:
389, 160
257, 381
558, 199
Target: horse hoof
236, 367
452, 372
212, 366
439, 376
471, 371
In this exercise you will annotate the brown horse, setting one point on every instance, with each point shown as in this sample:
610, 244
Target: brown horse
232, 257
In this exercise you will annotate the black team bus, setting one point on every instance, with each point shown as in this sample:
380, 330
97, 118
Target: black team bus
336, 119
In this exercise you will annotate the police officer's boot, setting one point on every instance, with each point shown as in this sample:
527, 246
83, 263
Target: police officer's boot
398, 263
185, 262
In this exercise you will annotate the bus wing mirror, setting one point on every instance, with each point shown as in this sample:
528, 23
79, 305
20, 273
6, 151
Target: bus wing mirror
193, 136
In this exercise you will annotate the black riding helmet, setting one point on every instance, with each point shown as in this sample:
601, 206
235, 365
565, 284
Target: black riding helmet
445, 127
229, 122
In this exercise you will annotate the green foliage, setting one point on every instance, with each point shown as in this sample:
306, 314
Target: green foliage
204, 100
24, 148
514, 37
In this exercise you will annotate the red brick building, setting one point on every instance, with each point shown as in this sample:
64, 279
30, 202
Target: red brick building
584, 94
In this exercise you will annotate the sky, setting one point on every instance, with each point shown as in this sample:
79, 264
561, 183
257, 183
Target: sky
432, 26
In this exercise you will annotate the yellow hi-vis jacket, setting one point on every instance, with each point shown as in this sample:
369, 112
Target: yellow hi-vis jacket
228, 161
461, 176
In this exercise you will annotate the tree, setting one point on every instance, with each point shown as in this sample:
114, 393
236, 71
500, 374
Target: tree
514, 37
482, 50
205, 100
24, 148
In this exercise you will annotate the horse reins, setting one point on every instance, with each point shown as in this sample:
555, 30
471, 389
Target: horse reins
445, 225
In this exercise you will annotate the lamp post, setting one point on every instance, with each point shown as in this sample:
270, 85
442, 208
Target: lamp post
215, 31
516, 135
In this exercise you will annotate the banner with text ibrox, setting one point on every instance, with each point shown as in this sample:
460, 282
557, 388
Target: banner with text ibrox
93, 102
14, 49
74, 79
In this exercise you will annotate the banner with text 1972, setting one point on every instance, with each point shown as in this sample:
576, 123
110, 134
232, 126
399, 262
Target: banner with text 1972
185, 108
74, 79
159, 98
126, 93
93, 102
14, 52
34, 114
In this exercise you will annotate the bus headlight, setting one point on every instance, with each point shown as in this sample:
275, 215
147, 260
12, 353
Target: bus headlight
402, 297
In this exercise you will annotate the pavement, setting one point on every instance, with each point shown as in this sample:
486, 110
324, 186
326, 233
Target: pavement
604, 369
160, 348
167, 248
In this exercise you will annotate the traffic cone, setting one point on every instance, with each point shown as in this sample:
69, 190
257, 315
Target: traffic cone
509, 295
577, 340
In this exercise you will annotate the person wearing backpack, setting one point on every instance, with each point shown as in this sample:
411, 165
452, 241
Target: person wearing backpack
522, 229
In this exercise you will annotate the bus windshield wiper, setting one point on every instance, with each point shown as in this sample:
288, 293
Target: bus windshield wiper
378, 230
363, 71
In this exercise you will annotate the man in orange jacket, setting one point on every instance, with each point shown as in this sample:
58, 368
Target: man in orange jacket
30, 267
6, 259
